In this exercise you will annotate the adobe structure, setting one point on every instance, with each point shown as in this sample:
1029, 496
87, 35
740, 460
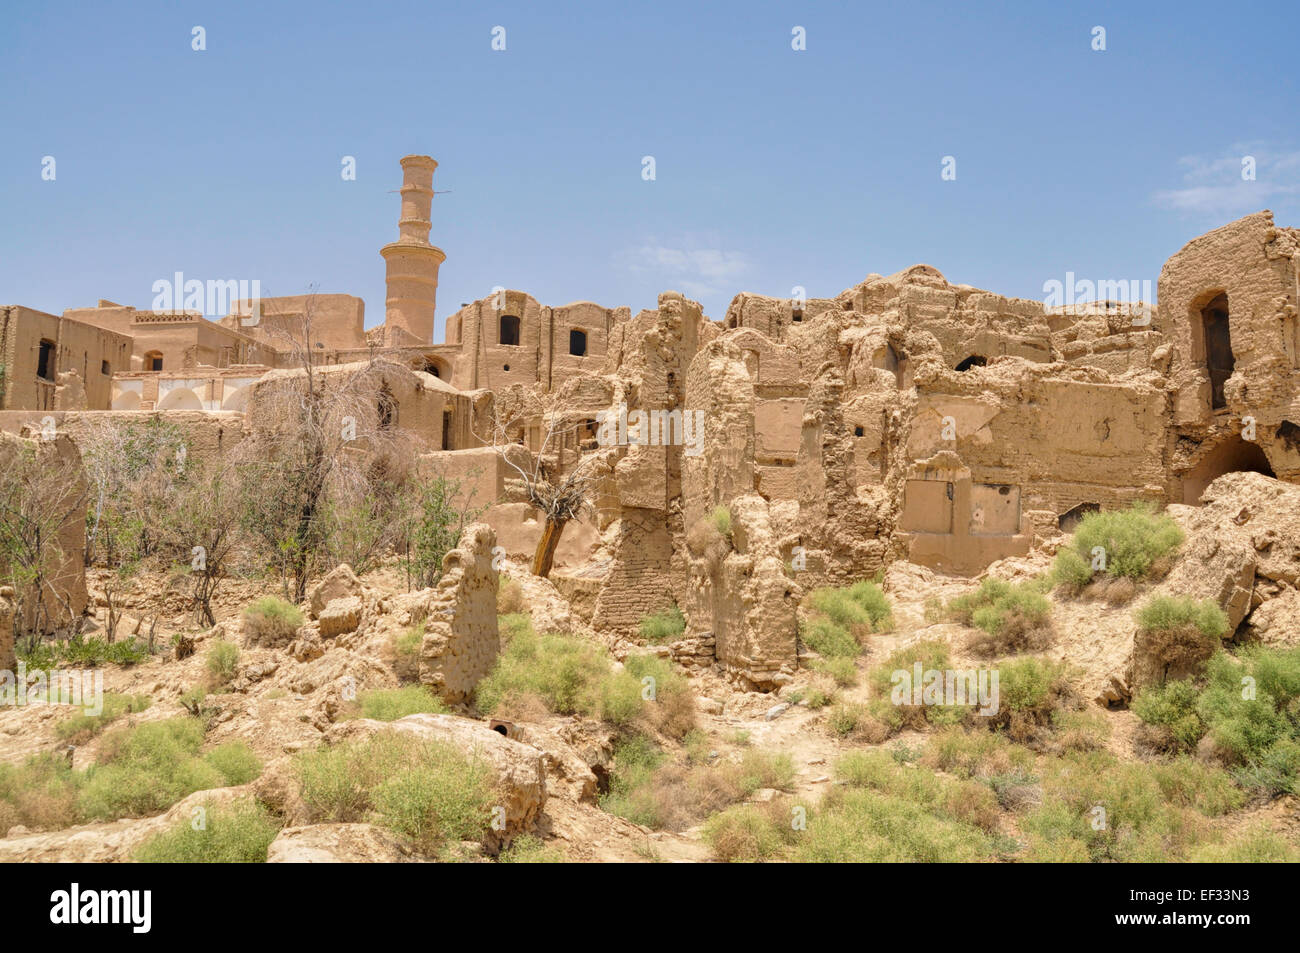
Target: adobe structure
904, 418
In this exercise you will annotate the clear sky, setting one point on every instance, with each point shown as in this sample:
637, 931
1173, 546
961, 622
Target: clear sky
774, 168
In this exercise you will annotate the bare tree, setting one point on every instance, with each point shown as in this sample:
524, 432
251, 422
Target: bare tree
557, 485
323, 436
203, 528
41, 496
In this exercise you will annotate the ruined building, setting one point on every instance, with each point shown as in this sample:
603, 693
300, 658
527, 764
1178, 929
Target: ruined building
903, 418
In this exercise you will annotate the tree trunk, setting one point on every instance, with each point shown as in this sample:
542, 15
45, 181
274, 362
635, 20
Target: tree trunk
546, 547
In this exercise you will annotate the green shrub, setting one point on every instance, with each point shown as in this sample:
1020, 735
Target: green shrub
147, 768
271, 621
632, 793
40, 793
829, 639
444, 797
390, 704
1136, 542
429, 792
650, 787
892, 702
1070, 570
221, 662
862, 603
512, 625
670, 707
663, 627
234, 834
80, 728
1170, 709
1120, 812
720, 518
1257, 845
842, 671
563, 672
1173, 612
235, 762
1010, 617
81, 653
864, 826
570, 675
749, 833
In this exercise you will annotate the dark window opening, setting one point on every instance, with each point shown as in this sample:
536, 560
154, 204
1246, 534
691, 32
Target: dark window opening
510, 330
1072, 517
153, 361
431, 368
578, 343
859, 432
505, 367
446, 430
975, 360
1289, 434
796, 316
45, 361
105, 369
1219, 361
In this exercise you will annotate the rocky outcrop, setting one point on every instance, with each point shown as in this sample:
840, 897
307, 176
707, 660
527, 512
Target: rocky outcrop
339, 583
518, 770
337, 844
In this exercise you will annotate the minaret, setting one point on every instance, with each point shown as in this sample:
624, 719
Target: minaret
412, 262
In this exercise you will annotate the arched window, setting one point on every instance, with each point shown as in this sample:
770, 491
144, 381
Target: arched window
510, 330
153, 361
578, 343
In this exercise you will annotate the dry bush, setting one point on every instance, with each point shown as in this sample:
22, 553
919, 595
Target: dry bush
270, 621
510, 597
1114, 590
856, 722
1016, 633
706, 542
673, 714
973, 803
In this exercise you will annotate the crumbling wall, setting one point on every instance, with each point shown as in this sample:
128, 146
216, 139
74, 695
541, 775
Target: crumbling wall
1247, 269
750, 600
646, 569
461, 640
8, 661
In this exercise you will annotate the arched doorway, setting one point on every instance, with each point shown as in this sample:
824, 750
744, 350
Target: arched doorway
1234, 455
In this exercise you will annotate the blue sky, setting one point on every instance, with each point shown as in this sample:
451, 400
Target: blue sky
775, 168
